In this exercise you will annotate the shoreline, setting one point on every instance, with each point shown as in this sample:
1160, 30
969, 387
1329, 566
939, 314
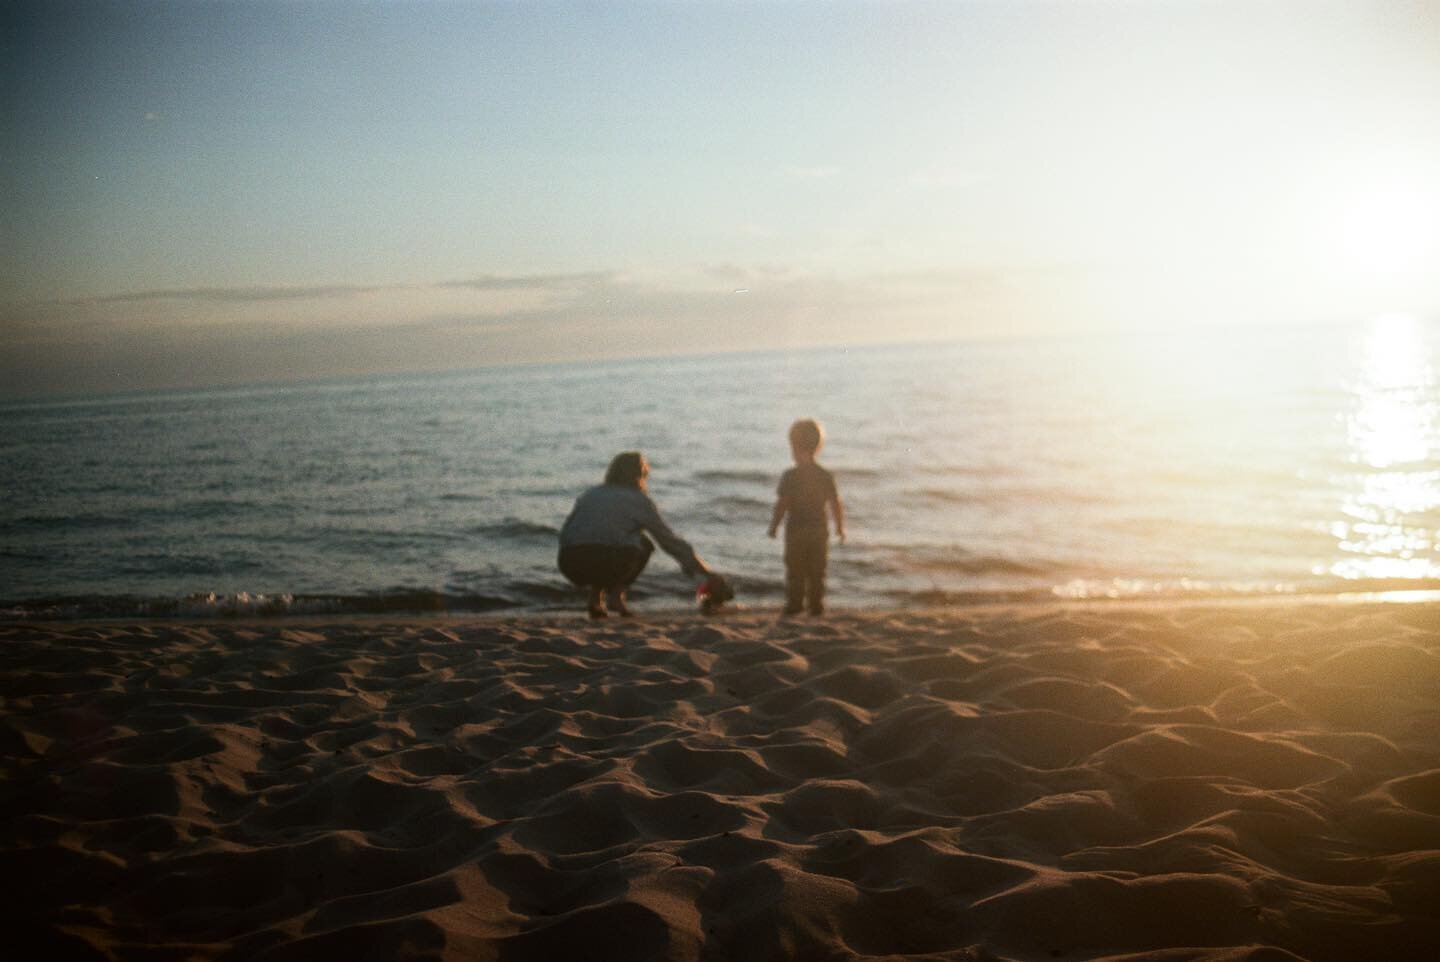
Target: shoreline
1082, 780
682, 612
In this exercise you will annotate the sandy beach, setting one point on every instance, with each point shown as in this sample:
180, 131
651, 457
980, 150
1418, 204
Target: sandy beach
1160, 782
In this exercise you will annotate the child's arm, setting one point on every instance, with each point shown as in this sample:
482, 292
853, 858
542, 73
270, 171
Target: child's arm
838, 510
782, 505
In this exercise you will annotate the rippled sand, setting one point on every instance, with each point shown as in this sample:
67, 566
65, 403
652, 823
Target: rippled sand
1256, 782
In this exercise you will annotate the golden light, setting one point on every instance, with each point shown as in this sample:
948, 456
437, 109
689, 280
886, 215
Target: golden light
1365, 231
1393, 433
1394, 423
1386, 227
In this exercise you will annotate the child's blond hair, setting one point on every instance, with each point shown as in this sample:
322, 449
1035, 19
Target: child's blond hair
806, 435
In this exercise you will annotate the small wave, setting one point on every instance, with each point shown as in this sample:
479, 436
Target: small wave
990, 495
752, 586
987, 471
740, 504
72, 522
949, 495
858, 565
980, 565
545, 592
514, 529
730, 511
128, 606
1137, 589
360, 539
1088, 588
131, 518
546, 491
29, 557
900, 559
937, 597
1084, 589
245, 604
771, 478
746, 477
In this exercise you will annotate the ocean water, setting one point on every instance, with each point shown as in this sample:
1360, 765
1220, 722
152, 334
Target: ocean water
1218, 463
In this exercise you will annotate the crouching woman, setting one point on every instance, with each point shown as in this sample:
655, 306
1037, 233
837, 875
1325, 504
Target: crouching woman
603, 543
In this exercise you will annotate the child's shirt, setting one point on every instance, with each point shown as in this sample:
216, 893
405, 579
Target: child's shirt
806, 488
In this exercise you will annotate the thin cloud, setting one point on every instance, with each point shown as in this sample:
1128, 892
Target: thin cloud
230, 295
53, 348
546, 282
265, 293
738, 275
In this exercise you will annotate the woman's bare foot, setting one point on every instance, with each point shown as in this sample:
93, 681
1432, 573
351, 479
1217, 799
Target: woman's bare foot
617, 602
597, 604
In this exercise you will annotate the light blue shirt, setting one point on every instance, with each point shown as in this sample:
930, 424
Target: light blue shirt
620, 515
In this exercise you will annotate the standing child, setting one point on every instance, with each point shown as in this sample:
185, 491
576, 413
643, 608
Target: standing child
805, 491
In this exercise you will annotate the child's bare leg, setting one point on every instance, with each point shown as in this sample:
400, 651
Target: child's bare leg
794, 591
815, 595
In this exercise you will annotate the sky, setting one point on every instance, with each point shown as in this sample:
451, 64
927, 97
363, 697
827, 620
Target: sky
198, 193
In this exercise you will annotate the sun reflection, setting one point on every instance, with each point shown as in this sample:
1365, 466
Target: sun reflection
1394, 424
1394, 442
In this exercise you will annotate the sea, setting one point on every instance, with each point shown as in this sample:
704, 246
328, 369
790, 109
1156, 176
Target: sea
1220, 463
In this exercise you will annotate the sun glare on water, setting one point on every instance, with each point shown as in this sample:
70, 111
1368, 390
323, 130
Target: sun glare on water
1394, 440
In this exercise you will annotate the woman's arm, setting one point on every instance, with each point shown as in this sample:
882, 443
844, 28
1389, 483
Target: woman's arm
673, 545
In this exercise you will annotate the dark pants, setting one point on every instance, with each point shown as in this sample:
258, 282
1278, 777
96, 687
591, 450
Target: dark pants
604, 566
805, 556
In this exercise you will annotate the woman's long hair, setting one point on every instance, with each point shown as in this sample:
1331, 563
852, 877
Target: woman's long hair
627, 469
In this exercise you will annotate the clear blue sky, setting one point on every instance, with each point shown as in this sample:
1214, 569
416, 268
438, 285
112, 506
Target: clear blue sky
212, 192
